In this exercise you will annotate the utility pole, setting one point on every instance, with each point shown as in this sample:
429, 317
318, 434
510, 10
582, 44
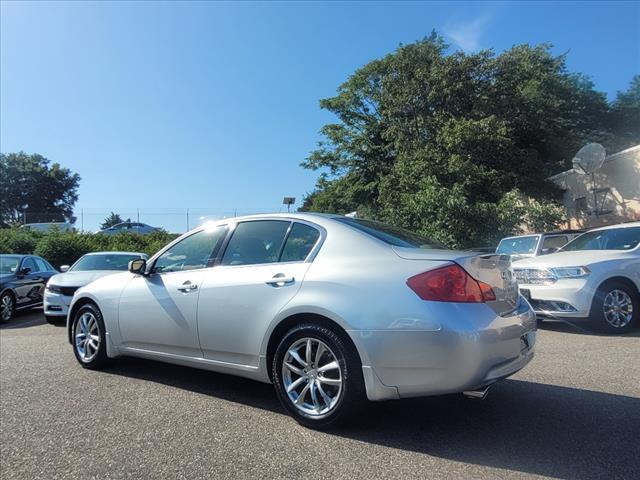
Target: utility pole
82, 219
138, 214
187, 219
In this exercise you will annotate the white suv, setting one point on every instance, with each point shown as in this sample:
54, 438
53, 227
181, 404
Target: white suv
596, 276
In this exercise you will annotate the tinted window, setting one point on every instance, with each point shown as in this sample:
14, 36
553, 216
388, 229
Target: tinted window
556, 241
29, 263
42, 267
517, 245
610, 239
299, 243
255, 243
396, 236
194, 252
107, 261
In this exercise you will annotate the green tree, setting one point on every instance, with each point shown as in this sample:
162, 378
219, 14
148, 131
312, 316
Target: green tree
456, 146
111, 220
32, 187
625, 118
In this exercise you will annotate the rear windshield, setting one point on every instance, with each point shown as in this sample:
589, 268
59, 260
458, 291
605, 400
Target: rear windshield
610, 239
398, 237
518, 245
103, 262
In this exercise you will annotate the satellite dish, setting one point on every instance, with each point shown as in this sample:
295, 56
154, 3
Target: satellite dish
589, 158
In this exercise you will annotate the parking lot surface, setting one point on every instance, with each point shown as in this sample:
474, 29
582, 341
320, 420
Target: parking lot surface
574, 412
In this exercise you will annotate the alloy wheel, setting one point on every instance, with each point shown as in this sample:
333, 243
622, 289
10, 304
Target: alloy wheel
6, 308
618, 308
312, 377
87, 335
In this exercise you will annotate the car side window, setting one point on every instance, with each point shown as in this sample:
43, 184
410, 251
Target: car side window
29, 263
256, 242
192, 253
299, 244
556, 241
40, 264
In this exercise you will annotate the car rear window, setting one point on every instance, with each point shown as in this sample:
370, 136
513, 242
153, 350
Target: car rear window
396, 236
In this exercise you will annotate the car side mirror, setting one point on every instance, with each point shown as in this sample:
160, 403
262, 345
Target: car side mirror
25, 271
547, 251
64, 268
138, 266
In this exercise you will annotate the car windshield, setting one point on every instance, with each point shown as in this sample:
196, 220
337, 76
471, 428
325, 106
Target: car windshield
396, 236
8, 264
609, 239
103, 262
518, 245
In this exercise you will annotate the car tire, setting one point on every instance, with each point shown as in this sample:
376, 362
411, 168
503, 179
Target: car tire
323, 387
7, 306
615, 308
88, 337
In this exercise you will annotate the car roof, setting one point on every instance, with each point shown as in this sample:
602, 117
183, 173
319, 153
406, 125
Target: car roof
16, 255
115, 253
619, 225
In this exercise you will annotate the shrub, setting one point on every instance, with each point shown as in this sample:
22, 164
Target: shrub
64, 248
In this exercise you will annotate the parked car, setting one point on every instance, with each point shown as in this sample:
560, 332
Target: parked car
131, 227
330, 309
524, 246
595, 277
22, 281
61, 287
48, 226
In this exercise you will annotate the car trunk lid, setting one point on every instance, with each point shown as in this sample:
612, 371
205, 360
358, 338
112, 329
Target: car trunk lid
493, 269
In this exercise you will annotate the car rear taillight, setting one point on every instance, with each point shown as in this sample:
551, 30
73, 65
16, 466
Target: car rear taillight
451, 283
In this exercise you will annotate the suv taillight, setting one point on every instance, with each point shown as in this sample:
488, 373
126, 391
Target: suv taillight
451, 283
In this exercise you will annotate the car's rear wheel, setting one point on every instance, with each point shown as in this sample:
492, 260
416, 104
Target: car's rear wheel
89, 339
615, 308
318, 376
7, 307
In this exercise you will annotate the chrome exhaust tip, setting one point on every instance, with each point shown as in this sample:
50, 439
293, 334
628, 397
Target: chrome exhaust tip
480, 394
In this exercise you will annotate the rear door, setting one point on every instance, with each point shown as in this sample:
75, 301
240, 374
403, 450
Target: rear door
261, 270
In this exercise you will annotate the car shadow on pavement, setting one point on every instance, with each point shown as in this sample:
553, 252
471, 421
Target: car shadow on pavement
29, 317
581, 328
522, 426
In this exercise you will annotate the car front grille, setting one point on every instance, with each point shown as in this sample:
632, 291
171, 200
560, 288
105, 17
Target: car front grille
534, 276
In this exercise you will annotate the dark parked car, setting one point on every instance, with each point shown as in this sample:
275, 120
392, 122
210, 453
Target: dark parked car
22, 281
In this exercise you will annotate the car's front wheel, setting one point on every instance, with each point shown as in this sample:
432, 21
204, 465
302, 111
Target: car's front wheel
318, 376
89, 339
616, 307
7, 307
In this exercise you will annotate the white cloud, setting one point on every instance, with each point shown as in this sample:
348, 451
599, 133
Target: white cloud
467, 35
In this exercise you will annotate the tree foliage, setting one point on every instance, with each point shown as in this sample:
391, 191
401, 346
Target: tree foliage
453, 145
112, 219
32, 187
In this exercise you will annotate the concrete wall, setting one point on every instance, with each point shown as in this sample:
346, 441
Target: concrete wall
618, 192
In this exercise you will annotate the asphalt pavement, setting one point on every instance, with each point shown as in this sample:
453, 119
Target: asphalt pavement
574, 412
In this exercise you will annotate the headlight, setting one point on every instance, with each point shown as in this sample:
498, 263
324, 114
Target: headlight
570, 272
53, 288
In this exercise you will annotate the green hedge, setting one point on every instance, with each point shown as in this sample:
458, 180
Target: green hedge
64, 248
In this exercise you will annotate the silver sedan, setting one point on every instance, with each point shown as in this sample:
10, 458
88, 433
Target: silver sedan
331, 310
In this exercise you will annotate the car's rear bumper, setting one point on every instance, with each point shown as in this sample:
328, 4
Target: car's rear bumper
472, 348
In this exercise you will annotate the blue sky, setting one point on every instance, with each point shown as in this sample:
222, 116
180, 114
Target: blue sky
212, 106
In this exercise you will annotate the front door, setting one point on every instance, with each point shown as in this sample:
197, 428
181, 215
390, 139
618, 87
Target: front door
158, 312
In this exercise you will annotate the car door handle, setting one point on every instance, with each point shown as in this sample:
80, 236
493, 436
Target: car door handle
280, 280
188, 287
